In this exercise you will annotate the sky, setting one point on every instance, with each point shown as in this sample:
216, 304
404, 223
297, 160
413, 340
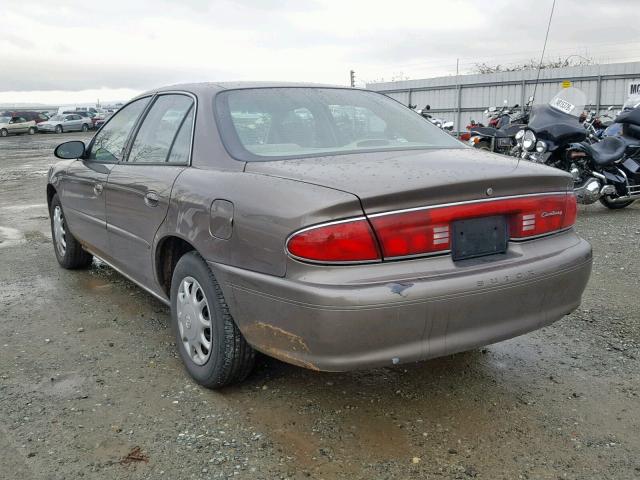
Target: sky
70, 51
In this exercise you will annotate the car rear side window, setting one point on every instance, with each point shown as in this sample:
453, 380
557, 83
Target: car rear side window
109, 143
160, 128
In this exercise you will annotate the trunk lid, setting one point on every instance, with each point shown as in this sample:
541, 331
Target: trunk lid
396, 180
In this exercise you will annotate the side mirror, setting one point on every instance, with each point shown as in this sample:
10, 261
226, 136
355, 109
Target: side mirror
70, 150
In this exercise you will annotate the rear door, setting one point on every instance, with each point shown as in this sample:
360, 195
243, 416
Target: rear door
75, 122
84, 181
139, 188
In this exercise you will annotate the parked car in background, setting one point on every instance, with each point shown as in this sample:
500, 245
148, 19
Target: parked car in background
28, 115
66, 123
268, 221
84, 114
102, 119
16, 126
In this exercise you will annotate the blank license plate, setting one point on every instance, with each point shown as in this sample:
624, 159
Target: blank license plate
479, 236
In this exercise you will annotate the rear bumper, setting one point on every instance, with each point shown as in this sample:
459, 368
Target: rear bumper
406, 311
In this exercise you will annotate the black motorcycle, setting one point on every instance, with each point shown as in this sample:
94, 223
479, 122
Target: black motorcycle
606, 171
504, 123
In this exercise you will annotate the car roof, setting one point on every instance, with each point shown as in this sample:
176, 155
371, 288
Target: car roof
211, 87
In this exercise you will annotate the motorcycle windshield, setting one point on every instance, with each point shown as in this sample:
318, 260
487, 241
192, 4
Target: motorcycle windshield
570, 101
557, 122
632, 102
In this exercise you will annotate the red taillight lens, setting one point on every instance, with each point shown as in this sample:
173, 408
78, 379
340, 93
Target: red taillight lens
543, 215
350, 241
425, 231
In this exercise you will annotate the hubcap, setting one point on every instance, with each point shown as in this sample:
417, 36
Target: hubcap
59, 233
194, 320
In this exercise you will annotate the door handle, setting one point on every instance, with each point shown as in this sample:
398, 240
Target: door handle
151, 199
97, 188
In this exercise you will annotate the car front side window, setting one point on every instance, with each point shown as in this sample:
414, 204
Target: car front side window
160, 128
108, 145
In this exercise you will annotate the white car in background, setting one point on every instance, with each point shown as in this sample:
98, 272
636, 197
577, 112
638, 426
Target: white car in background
16, 126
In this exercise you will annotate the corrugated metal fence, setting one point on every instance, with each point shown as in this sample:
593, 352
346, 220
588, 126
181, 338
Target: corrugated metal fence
465, 97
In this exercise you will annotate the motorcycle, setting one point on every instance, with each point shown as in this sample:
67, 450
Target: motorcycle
596, 125
601, 171
504, 123
466, 136
438, 122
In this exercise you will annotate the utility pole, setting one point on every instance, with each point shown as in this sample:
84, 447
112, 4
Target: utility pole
352, 76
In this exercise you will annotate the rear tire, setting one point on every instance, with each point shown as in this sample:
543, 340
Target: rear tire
69, 252
615, 205
199, 310
483, 146
85, 128
32, 130
59, 129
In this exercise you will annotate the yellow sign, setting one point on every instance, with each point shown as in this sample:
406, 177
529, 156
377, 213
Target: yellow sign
566, 84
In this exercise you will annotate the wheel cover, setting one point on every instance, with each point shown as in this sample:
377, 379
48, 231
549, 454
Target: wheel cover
59, 232
194, 320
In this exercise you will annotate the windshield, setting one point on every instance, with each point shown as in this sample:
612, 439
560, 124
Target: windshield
570, 101
5, 119
57, 118
270, 123
632, 102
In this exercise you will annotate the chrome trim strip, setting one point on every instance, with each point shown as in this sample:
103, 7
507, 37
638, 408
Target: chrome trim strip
526, 239
166, 301
419, 255
466, 202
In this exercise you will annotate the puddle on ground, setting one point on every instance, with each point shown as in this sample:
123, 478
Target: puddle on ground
10, 237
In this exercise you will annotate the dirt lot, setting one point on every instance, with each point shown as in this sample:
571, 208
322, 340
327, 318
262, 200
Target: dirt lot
88, 372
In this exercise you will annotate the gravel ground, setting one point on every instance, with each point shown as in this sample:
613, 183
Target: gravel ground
90, 385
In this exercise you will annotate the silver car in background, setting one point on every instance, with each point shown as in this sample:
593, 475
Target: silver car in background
71, 122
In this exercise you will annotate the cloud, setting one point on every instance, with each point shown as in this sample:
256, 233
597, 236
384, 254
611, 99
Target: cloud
142, 44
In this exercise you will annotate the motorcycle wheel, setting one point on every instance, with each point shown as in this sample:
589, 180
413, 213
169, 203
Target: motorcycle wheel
609, 203
483, 146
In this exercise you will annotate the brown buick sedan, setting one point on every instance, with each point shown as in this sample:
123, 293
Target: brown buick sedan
331, 228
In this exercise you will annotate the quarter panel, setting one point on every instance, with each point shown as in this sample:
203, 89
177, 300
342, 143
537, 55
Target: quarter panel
266, 211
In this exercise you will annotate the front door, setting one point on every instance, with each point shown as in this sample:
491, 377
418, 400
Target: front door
83, 196
139, 189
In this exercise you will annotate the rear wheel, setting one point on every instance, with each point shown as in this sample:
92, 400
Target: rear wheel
69, 252
85, 128
483, 146
613, 205
211, 346
32, 130
59, 129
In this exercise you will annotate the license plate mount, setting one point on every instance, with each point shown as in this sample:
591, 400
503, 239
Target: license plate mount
478, 237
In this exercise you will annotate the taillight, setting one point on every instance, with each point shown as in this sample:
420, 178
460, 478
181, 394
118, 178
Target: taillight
543, 215
428, 230
424, 231
346, 241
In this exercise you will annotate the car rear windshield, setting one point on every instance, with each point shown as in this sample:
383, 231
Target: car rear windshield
296, 122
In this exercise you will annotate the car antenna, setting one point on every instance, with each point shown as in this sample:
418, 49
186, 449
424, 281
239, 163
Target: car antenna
544, 48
